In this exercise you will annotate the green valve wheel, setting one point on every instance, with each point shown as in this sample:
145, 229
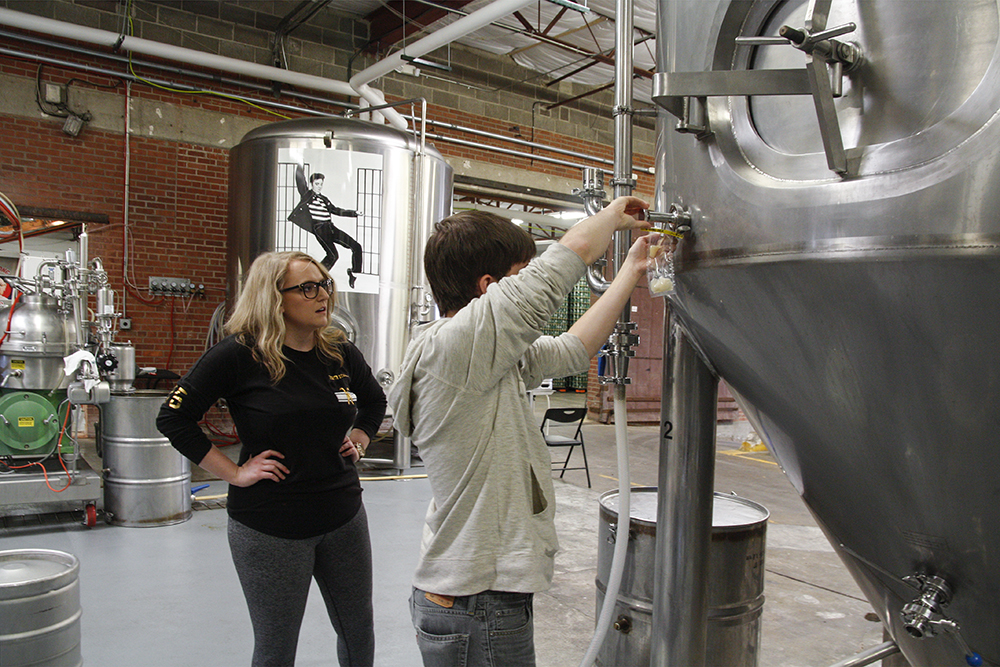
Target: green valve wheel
29, 422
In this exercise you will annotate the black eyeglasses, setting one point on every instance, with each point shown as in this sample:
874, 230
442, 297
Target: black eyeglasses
310, 289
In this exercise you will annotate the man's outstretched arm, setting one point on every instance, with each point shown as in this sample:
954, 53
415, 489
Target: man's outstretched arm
300, 181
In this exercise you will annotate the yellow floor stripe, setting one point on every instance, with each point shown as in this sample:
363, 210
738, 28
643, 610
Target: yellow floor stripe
615, 479
748, 456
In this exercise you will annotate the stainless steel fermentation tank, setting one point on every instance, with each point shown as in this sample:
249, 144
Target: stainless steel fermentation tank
843, 276
406, 187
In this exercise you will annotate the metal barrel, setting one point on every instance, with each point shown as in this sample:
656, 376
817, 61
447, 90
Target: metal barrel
735, 590
146, 481
39, 609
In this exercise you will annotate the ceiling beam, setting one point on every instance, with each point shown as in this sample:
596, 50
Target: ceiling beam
397, 20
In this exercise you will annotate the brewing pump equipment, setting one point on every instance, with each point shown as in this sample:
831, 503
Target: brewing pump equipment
57, 352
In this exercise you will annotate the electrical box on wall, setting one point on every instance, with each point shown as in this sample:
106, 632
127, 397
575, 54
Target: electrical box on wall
55, 93
160, 286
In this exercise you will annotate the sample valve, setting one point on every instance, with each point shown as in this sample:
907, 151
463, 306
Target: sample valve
922, 617
675, 222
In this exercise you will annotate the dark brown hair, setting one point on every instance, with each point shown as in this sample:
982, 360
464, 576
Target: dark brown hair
466, 246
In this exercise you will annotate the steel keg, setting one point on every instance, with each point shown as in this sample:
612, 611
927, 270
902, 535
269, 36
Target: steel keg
39, 609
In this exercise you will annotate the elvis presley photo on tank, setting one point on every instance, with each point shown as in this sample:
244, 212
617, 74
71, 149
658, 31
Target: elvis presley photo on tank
330, 206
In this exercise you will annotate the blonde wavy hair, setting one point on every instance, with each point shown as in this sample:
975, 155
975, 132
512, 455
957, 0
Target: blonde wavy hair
258, 320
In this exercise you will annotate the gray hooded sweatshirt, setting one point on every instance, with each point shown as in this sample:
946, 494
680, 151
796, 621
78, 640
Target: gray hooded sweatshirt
461, 397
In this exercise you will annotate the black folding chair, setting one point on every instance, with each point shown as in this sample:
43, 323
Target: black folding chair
561, 419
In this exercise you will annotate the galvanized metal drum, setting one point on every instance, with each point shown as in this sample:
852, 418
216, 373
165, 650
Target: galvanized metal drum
146, 481
39, 609
735, 590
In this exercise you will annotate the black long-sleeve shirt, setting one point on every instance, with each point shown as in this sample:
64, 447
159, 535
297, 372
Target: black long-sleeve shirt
305, 417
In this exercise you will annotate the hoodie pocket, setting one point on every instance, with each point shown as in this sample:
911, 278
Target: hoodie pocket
538, 502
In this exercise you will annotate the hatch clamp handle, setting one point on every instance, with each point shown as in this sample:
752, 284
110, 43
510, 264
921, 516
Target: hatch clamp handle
827, 60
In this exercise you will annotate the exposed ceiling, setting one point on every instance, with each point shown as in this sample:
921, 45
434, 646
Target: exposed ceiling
554, 39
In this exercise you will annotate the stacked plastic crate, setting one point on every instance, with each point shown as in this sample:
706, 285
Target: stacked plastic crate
576, 303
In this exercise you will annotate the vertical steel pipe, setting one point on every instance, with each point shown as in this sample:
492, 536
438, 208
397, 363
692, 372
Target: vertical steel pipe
622, 182
684, 503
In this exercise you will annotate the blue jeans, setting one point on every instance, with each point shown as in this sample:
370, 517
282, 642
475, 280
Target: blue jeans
489, 629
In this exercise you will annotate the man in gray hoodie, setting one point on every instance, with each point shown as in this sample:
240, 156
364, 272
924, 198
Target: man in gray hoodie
489, 540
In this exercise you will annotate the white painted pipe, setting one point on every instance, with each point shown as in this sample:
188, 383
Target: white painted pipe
174, 53
442, 37
358, 85
509, 214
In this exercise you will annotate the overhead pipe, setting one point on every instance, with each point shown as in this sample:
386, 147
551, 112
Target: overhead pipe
147, 47
265, 102
178, 87
180, 54
460, 28
358, 85
526, 144
524, 216
270, 103
154, 64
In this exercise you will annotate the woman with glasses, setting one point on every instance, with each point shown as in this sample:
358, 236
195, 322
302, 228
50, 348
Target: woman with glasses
305, 406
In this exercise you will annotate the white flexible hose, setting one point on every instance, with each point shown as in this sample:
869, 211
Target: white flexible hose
621, 536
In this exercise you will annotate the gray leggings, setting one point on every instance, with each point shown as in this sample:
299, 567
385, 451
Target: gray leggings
275, 574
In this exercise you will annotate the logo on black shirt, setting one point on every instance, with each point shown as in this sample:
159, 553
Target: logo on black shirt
176, 397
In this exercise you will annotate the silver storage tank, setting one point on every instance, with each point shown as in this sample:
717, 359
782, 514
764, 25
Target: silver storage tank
38, 335
400, 188
146, 481
842, 277
39, 609
735, 589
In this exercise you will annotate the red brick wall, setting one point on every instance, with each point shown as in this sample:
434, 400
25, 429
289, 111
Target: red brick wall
177, 221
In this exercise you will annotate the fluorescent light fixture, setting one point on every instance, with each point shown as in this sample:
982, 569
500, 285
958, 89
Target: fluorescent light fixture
420, 62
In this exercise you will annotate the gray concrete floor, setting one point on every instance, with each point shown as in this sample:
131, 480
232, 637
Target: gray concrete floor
168, 595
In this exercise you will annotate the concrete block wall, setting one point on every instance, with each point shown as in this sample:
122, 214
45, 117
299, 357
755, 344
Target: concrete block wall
177, 142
